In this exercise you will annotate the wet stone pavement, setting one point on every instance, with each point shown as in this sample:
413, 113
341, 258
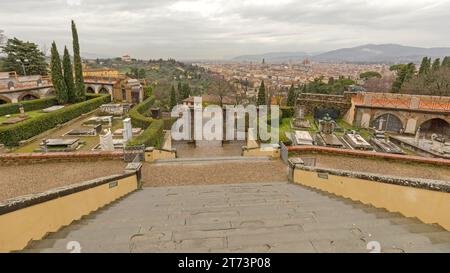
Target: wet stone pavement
255, 217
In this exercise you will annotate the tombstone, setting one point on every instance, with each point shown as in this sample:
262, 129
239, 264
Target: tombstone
327, 125
21, 109
380, 124
155, 112
417, 137
299, 120
127, 130
44, 145
106, 141
326, 137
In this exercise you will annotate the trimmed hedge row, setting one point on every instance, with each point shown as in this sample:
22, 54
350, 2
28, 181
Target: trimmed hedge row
11, 135
151, 137
29, 105
137, 114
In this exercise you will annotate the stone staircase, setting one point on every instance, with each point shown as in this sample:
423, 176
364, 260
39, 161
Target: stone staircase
258, 217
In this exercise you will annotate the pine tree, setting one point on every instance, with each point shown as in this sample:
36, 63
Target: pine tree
436, 65
79, 81
68, 76
57, 76
261, 95
173, 98
291, 96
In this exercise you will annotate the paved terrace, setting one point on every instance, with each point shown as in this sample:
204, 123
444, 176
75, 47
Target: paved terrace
257, 217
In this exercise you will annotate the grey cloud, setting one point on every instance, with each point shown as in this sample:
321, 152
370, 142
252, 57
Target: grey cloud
221, 28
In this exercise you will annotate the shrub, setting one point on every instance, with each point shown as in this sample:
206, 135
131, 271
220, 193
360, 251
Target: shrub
287, 112
137, 114
151, 137
11, 135
29, 105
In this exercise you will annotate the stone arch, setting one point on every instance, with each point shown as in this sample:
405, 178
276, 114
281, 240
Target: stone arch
103, 90
90, 90
388, 122
437, 126
4, 100
28, 96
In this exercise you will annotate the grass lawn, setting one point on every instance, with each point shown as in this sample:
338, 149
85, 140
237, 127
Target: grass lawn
285, 127
344, 125
31, 114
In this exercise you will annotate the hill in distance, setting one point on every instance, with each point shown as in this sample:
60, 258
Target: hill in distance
371, 53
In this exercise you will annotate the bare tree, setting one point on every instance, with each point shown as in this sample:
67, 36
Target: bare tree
221, 88
375, 84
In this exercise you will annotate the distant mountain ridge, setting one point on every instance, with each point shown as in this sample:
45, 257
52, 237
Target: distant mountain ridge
370, 53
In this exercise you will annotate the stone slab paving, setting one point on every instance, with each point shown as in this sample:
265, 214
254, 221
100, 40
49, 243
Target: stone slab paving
253, 217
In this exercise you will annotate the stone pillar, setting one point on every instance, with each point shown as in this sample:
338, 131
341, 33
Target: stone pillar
411, 126
365, 120
127, 130
292, 163
106, 141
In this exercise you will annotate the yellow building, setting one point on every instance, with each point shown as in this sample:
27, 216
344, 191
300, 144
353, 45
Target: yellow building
109, 81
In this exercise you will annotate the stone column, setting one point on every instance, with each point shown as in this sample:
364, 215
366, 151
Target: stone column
127, 130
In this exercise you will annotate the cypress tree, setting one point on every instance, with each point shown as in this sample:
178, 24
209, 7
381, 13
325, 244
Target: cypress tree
424, 66
436, 65
79, 81
57, 76
180, 90
291, 96
68, 76
446, 62
261, 95
186, 91
173, 98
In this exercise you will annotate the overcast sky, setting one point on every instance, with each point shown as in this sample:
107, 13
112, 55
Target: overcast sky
216, 29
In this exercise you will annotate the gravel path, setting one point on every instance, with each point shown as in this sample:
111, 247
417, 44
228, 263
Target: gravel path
207, 173
35, 178
381, 166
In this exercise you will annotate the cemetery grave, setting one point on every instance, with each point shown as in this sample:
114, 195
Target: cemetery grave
86, 130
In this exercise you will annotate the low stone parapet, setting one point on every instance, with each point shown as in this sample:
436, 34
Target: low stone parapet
31, 217
367, 154
427, 200
27, 158
272, 151
153, 154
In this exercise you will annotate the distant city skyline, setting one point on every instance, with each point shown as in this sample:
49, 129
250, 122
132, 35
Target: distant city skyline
219, 29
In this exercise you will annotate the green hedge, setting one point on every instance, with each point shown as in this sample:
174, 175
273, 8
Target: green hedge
29, 105
137, 114
151, 137
11, 135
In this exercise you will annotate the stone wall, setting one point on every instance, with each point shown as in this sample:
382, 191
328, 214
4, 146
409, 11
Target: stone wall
310, 102
28, 158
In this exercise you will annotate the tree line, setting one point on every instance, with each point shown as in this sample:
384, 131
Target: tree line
432, 78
